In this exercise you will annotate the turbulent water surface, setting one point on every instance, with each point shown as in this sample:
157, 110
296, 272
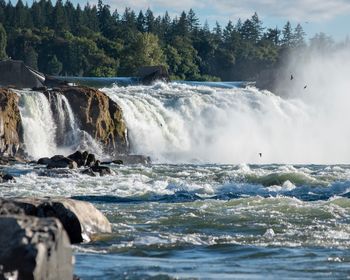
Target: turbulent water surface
208, 221
198, 212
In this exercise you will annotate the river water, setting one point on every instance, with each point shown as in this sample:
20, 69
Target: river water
244, 184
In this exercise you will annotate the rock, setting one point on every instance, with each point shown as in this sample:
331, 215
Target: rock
6, 178
97, 168
44, 161
10, 123
73, 165
10, 160
89, 172
118, 161
150, 74
80, 219
98, 115
90, 161
132, 159
33, 248
9, 208
60, 161
79, 158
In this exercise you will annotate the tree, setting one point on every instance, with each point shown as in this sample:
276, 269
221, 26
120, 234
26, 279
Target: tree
287, 35
54, 66
31, 58
145, 50
3, 42
298, 37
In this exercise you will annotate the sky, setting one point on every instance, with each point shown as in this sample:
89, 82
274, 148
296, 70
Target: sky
329, 16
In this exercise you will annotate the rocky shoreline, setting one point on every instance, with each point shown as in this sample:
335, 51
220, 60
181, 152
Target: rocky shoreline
36, 233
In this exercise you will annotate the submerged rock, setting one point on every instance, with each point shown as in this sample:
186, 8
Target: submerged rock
132, 159
80, 219
10, 123
97, 168
33, 248
6, 177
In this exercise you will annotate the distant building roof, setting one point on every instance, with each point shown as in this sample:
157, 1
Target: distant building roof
16, 73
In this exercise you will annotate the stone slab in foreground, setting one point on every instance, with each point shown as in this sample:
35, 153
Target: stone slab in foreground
80, 219
34, 248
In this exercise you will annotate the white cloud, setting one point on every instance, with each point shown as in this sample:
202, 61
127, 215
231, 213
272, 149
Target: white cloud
297, 10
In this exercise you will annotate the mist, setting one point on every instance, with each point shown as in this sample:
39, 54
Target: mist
183, 123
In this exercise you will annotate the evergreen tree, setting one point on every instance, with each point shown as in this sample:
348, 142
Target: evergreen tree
3, 42
298, 37
287, 35
54, 66
31, 58
141, 22
149, 21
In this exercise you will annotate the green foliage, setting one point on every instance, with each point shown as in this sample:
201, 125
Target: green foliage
3, 43
64, 39
54, 66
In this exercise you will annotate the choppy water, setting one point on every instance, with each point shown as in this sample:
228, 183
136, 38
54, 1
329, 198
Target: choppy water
208, 221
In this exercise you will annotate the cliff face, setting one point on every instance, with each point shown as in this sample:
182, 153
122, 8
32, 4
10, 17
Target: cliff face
98, 115
10, 123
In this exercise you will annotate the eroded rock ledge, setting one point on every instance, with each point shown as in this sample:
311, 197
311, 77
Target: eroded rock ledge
98, 115
10, 123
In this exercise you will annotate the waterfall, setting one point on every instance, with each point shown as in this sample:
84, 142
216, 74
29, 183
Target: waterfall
39, 127
177, 123
50, 128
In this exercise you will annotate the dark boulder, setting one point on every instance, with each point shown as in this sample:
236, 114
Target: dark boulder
97, 169
44, 161
60, 161
91, 159
34, 249
150, 74
6, 178
79, 158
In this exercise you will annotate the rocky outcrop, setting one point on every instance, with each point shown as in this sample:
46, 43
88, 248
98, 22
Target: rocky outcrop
98, 115
80, 219
10, 123
33, 248
150, 74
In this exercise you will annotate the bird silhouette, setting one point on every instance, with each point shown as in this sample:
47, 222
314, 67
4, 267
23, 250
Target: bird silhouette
260, 154
305, 86
291, 77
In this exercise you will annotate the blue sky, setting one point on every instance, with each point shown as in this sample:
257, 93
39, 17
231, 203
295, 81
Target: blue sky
329, 16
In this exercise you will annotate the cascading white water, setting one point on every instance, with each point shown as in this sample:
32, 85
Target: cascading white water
189, 123
51, 129
39, 127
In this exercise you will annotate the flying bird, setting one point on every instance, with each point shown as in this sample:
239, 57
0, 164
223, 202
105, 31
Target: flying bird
305, 86
291, 77
260, 154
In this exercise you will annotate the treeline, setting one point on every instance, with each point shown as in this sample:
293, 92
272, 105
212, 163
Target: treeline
64, 39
